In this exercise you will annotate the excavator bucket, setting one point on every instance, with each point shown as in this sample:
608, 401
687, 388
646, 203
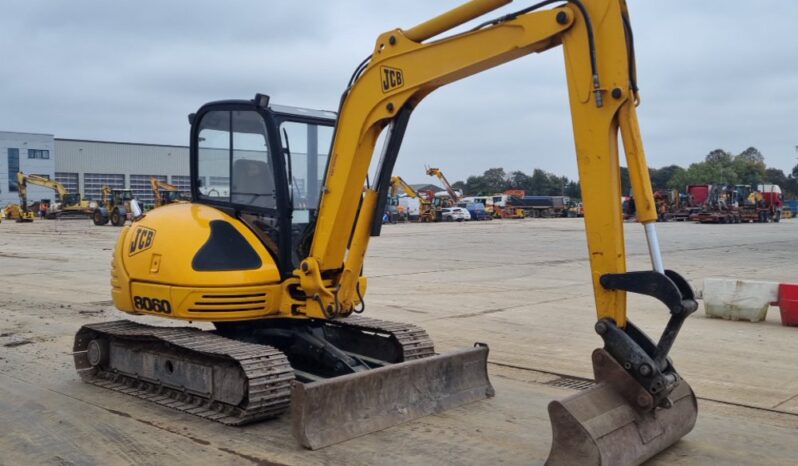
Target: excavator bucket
603, 425
348, 406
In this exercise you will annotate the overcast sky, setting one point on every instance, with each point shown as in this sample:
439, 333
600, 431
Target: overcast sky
713, 74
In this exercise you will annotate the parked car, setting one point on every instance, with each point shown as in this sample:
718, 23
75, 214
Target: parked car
476, 210
458, 214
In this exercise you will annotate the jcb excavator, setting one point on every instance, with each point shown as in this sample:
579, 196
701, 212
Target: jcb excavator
165, 193
71, 204
426, 212
283, 284
115, 206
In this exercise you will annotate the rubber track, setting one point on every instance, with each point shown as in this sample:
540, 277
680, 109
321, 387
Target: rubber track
269, 375
415, 341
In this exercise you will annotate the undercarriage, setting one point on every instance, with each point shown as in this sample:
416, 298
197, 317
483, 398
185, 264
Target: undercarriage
250, 371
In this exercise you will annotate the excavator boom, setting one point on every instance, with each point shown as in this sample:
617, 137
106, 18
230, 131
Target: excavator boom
426, 211
71, 203
164, 192
596, 37
446, 185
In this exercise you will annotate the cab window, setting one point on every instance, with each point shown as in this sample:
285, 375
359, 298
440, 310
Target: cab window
233, 160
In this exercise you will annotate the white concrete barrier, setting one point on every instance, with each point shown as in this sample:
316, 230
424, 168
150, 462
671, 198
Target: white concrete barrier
732, 299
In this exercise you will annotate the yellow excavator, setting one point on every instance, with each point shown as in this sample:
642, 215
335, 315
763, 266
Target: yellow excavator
454, 198
71, 204
426, 213
284, 286
15, 212
165, 193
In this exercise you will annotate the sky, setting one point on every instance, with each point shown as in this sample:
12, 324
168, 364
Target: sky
713, 74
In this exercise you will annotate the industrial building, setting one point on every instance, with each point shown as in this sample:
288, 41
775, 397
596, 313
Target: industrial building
86, 166
27, 152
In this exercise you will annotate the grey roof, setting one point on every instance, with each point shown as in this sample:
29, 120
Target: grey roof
426, 187
120, 142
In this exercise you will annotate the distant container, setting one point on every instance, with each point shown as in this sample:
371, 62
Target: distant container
788, 304
793, 206
732, 299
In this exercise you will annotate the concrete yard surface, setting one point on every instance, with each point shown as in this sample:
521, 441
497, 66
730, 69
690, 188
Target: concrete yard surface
521, 286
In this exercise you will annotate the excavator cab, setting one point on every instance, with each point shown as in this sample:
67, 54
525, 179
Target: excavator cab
170, 197
266, 164
71, 199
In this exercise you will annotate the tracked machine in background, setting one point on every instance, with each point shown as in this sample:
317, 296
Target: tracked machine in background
165, 193
275, 260
70, 205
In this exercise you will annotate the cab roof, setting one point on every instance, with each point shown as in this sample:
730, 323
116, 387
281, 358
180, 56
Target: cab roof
303, 112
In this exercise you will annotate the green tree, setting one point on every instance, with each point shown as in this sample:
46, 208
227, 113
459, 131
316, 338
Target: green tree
573, 190
749, 166
520, 180
495, 180
661, 177
775, 176
626, 183
718, 156
540, 183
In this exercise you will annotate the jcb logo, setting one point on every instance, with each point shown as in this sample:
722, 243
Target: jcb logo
142, 240
392, 78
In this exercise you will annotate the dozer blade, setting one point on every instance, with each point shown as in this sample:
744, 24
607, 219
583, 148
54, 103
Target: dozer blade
345, 407
600, 426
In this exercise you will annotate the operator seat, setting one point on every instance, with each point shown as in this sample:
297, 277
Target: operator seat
253, 184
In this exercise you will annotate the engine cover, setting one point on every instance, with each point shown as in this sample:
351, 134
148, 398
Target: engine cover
194, 262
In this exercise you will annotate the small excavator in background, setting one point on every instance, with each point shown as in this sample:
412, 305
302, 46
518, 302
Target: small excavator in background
426, 213
17, 213
165, 193
115, 206
71, 205
281, 276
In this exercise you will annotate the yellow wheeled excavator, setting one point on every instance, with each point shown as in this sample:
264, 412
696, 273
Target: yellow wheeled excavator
426, 213
274, 258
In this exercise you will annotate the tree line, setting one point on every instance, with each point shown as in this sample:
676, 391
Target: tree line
718, 167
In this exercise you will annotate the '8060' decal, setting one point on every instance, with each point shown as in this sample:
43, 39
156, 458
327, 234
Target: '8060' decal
143, 303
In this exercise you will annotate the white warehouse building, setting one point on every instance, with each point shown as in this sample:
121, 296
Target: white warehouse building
86, 166
27, 152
